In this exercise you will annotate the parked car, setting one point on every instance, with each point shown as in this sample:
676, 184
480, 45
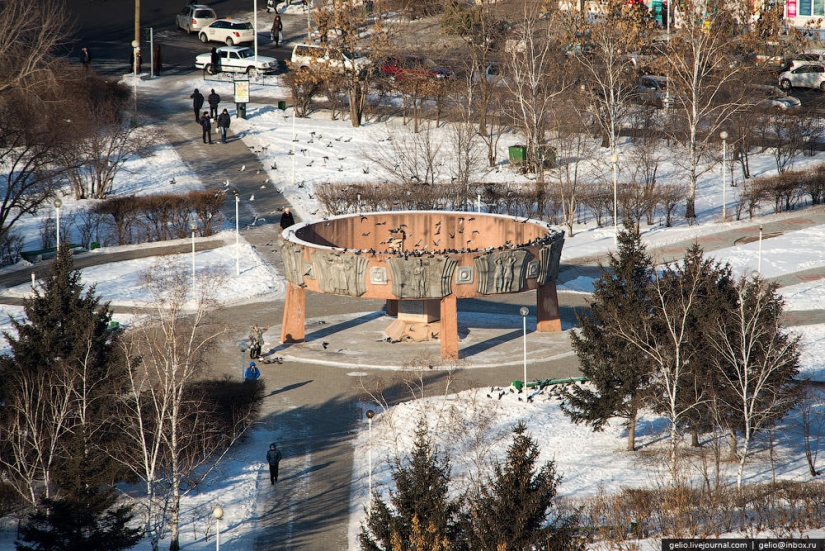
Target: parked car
304, 56
228, 31
811, 75
771, 98
237, 59
493, 73
652, 90
413, 66
195, 17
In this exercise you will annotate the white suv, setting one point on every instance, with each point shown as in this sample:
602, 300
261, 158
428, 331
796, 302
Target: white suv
811, 75
228, 31
304, 56
195, 17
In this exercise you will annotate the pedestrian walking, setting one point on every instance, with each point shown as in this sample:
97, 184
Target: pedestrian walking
85, 58
214, 99
223, 124
256, 341
273, 457
206, 124
197, 103
276, 33
287, 219
157, 60
215, 60
252, 373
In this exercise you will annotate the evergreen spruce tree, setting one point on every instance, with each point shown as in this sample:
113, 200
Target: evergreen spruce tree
421, 517
618, 376
73, 524
511, 512
67, 330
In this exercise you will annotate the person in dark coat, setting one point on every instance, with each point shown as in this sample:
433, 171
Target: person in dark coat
287, 219
206, 124
157, 60
273, 457
214, 99
85, 58
252, 373
277, 27
223, 124
215, 60
197, 103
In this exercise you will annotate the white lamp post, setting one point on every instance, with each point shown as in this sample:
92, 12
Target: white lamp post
255, 26
370, 415
57, 204
479, 191
193, 225
135, 50
217, 512
724, 136
524, 311
614, 159
237, 234
759, 261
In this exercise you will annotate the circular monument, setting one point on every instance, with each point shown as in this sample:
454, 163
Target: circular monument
420, 262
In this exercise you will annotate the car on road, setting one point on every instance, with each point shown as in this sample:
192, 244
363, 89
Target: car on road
811, 75
652, 90
413, 66
228, 31
237, 59
305, 56
195, 17
771, 98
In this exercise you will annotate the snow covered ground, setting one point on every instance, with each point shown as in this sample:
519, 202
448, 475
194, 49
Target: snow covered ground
340, 153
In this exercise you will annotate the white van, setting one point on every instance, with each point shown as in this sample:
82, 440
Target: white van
304, 56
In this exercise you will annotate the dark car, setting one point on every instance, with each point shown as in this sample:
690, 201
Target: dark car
413, 66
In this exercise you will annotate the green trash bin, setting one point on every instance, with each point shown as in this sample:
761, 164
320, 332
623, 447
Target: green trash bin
282, 105
518, 154
94, 245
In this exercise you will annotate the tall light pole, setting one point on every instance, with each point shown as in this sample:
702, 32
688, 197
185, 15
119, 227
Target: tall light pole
524, 311
243, 346
370, 415
614, 160
479, 191
193, 225
724, 136
135, 50
237, 234
217, 512
255, 26
759, 261
57, 204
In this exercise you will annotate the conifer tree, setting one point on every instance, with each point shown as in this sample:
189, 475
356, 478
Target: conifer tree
421, 517
86, 524
511, 512
618, 375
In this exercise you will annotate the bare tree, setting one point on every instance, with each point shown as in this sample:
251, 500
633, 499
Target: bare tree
408, 158
169, 428
757, 359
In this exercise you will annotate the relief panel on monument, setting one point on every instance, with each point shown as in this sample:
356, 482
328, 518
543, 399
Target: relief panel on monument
416, 277
501, 272
549, 261
340, 274
293, 257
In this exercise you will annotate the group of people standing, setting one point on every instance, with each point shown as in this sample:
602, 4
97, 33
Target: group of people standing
205, 119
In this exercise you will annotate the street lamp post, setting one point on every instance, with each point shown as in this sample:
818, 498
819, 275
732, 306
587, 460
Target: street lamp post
57, 204
135, 52
724, 136
217, 512
243, 347
524, 311
193, 225
370, 415
237, 234
614, 159
479, 191
759, 261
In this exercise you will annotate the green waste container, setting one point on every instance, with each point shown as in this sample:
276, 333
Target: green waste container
114, 325
282, 105
94, 245
518, 154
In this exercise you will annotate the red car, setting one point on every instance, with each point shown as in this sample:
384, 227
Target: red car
413, 66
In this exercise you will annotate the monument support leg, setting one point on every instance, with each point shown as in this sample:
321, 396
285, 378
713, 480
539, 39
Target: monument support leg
548, 319
293, 328
449, 328
393, 307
